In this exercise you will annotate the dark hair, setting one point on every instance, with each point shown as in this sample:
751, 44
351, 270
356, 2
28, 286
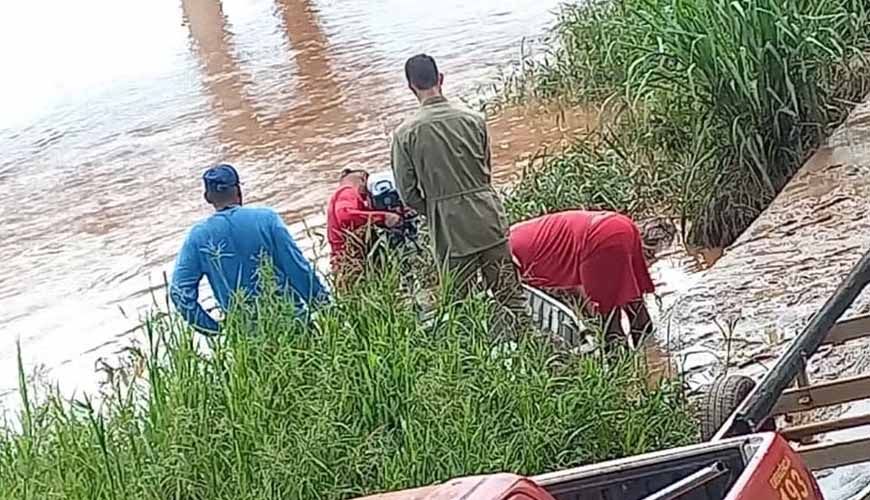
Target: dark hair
351, 171
222, 197
421, 72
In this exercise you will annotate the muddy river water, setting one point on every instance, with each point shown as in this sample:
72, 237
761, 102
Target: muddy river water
114, 108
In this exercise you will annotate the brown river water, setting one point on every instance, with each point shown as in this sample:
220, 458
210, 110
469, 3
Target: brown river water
112, 109
115, 107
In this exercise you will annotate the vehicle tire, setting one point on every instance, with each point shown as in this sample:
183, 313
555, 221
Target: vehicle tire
720, 401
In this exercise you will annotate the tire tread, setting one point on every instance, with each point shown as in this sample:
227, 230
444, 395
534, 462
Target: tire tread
720, 401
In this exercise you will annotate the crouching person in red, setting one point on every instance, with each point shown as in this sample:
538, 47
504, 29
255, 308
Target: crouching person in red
597, 257
349, 224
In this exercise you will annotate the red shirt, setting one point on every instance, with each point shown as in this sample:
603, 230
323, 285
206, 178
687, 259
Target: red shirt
578, 251
548, 250
348, 211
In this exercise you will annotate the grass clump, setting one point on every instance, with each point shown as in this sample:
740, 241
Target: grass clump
362, 399
615, 168
756, 85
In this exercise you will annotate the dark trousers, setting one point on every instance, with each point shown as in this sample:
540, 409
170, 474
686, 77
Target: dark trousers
498, 274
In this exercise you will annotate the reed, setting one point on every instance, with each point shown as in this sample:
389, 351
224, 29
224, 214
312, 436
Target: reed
617, 167
755, 85
363, 398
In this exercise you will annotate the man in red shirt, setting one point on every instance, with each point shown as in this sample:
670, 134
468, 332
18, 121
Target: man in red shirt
598, 257
349, 220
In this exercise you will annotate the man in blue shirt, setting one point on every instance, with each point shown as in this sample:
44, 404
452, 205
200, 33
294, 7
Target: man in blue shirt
228, 249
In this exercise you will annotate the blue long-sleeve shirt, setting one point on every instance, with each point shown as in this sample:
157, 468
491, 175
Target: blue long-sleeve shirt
227, 248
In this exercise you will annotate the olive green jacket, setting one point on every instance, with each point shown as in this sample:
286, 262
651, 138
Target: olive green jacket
442, 164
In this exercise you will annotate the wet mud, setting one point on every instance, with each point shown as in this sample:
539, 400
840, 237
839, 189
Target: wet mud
743, 311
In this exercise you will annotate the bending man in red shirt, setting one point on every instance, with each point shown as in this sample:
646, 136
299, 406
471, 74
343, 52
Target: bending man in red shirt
349, 220
595, 256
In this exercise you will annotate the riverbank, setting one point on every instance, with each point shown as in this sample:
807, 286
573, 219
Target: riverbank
364, 399
711, 106
367, 398
780, 272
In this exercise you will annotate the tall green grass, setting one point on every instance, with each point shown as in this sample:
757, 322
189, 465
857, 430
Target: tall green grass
615, 168
364, 398
757, 84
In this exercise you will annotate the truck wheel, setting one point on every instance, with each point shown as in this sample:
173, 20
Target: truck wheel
724, 396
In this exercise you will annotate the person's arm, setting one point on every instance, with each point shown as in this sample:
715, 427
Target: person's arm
184, 289
406, 177
293, 265
351, 216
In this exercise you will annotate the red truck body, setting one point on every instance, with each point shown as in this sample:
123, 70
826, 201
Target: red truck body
769, 470
490, 487
776, 473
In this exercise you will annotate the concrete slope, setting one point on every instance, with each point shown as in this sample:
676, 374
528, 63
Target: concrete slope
779, 273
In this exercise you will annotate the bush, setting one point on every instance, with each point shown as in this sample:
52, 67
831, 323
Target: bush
757, 84
617, 168
365, 398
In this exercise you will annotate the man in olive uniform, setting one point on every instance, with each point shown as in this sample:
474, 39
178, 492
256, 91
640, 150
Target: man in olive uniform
442, 165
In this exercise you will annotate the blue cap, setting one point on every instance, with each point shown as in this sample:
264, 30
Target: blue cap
220, 178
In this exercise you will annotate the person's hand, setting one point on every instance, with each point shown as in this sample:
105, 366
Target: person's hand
392, 220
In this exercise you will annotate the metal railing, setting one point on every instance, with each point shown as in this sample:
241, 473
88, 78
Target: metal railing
786, 387
555, 318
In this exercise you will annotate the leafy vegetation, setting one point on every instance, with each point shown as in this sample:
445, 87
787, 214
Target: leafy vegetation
616, 168
364, 398
734, 95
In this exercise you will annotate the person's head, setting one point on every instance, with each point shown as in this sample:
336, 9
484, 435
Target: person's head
222, 186
424, 80
355, 177
656, 235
